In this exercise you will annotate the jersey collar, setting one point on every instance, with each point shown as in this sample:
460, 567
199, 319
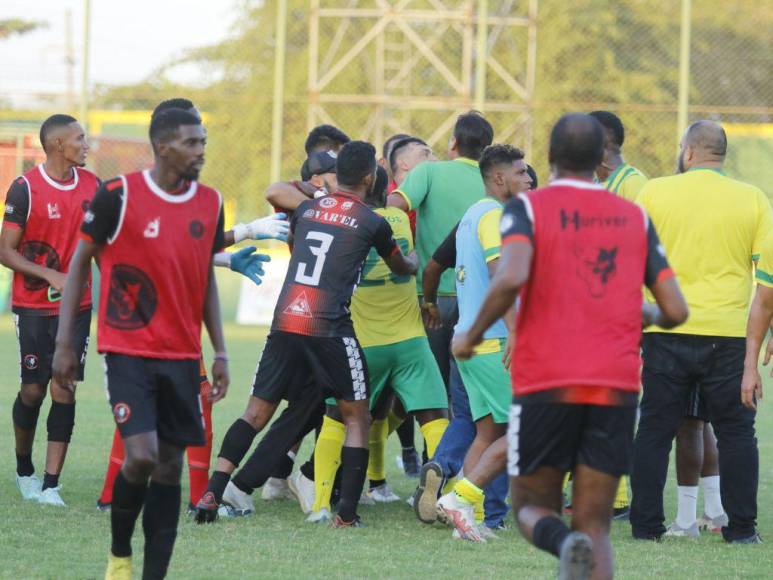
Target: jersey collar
57, 184
467, 160
349, 196
616, 172
179, 198
714, 169
579, 183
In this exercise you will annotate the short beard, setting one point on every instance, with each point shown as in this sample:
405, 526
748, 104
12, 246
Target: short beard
680, 163
190, 175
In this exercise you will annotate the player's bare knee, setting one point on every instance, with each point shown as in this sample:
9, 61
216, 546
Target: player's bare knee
32, 394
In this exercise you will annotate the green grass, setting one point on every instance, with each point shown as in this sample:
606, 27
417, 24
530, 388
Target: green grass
40, 542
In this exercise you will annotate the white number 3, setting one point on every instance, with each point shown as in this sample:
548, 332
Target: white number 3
320, 253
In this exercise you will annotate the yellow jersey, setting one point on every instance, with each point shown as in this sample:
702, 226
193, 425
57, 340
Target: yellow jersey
626, 181
712, 228
765, 265
385, 306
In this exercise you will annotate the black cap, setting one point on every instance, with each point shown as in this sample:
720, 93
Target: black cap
318, 163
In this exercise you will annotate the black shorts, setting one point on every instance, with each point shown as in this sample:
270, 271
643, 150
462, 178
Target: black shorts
291, 361
37, 342
562, 435
148, 394
696, 407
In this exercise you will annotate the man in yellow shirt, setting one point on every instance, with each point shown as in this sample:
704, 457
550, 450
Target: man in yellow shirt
615, 174
712, 228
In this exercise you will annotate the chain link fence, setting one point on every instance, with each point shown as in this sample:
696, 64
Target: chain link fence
379, 67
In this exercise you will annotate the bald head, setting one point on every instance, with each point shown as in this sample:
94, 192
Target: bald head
576, 145
704, 144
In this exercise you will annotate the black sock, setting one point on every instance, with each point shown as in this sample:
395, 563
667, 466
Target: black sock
159, 522
549, 533
24, 467
374, 483
237, 441
284, 468
406, 432
126, 506
307, 469
50, 480
217, 484
354, 463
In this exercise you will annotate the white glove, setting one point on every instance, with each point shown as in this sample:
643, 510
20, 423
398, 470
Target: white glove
273, 227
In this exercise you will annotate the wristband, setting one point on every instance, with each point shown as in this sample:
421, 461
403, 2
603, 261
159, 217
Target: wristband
425, 303
241, 232
221, 356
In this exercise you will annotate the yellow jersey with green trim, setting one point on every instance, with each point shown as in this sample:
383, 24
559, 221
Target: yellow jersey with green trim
764, 273
385, 306
626, 181
712, 227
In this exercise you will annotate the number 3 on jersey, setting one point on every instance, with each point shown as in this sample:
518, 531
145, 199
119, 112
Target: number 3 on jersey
319, 253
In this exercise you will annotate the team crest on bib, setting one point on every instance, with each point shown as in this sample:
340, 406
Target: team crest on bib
42, 254
132, 298
196, 229
121, 412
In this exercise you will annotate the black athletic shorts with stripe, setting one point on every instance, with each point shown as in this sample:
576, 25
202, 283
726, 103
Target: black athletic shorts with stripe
290, 361
563, 435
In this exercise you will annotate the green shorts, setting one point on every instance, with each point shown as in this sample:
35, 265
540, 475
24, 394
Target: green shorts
487, 383
410, 370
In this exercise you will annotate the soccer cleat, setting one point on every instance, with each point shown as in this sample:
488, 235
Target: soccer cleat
355, 523
206, 509
677, 531
620, 514
411, 463
118, 568
103, 506
276, 489
713, 525
576, 557
426, 495
485, 532
382, 494
460, 514
50, 496
29, 486
240, 502
755, 539
321, 516
366, 499
303, 490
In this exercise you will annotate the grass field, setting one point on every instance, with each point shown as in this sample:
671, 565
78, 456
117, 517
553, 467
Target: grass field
41, 542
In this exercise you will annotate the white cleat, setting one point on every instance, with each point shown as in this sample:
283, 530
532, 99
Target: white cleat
485, 532
677, 531
366, 499
29, 486
322, 516
240, 502
382, 494
460, 514
276, 489
713, 525
50, 496
303, 490
575, 560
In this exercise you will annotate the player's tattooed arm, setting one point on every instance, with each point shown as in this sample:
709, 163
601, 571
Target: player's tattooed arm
65, 363
214, 323
10, 257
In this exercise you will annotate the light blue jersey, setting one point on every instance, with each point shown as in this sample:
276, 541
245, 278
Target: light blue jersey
477, 243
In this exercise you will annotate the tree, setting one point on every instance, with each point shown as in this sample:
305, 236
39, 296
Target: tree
11, 26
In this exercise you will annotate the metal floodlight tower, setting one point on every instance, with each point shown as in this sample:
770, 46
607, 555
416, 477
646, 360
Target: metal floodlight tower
445, 56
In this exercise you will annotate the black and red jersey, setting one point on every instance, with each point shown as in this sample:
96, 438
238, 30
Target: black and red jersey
50, 213
154, 263
332, 236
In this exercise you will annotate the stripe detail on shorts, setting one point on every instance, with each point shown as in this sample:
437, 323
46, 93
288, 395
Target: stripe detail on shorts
355, 365
513, 433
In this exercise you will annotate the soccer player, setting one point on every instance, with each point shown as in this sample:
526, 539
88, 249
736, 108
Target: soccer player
615, 174
312, 332
406, 154
388, 325
43, 211
155, 233
475, 245
386, 150
713, 228
245, 262
579, 256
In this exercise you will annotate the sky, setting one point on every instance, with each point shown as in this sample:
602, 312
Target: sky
128, 41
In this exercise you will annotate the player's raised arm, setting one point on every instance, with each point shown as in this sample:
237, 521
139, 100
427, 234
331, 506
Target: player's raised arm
65, 363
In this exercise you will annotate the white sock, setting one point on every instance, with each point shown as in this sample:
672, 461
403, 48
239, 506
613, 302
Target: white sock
712, 501
688, 505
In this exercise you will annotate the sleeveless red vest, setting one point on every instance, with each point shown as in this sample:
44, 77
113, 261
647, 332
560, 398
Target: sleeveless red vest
51, 233
154, 271
579, 320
